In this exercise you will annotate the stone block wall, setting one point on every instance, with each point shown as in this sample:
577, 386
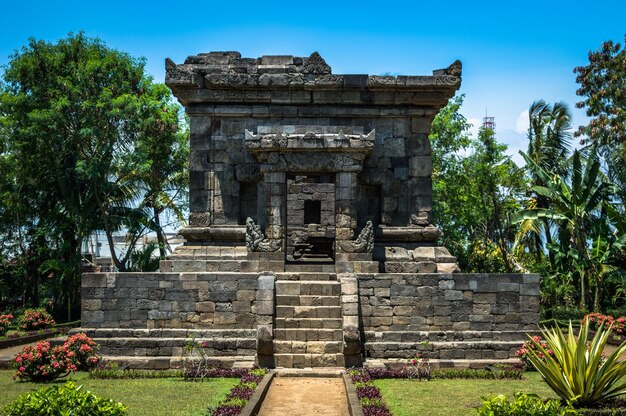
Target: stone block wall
447, 316
169, 300
449, 302
400, 164
382, 315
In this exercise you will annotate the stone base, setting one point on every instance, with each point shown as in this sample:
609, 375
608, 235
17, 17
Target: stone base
302, 319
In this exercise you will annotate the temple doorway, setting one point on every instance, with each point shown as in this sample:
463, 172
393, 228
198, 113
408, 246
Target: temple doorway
310, 233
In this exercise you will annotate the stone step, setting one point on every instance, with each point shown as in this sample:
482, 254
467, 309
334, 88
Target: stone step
324, 288
470, 350
309, 360
310, 267
307, 276
307, 334
308, 347
174, 346
438, 364
209, 253
165, 333
307, 300
308, 311
451, 336
164, 363
319, 323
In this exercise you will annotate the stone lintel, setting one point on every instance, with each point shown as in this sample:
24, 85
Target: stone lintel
310, 142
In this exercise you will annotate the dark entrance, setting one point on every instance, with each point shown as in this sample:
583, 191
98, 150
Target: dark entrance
310, 235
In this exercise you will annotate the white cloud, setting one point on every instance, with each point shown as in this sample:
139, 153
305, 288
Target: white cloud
476, 123
522, 123
515, 141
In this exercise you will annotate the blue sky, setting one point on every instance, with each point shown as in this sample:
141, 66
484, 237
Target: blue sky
512, 52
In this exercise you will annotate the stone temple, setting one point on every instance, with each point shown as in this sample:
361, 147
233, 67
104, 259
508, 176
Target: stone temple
311, 239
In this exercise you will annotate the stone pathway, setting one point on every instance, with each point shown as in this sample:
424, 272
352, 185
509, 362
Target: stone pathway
7, 354
303, 396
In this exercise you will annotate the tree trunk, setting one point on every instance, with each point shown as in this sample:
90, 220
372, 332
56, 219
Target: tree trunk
107, 230
548, 243
160, 236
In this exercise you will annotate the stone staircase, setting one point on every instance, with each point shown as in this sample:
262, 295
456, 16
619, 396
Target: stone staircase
308, 321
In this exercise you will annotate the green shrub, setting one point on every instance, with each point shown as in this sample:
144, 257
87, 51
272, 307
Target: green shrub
523, 405
577, 370
63, 400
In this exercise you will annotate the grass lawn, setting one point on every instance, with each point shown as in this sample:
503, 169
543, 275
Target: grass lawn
452, 397
144, 397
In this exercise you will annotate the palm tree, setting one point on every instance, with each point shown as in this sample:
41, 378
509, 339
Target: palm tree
573, 206
549, 136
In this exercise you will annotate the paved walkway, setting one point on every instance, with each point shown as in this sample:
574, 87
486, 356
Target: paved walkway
7, 354
304, 396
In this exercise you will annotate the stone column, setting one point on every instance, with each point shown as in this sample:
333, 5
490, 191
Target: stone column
275, 204
346, 200
420, 171
200, 174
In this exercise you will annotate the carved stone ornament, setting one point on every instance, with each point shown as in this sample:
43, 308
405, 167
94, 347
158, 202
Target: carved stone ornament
315, 64
255, 239
364, 243
454, 69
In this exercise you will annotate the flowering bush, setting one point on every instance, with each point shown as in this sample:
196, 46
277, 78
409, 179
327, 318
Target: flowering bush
523, 352
597, 321
84, 351
43, 363
36, 319
417, 367
5, 323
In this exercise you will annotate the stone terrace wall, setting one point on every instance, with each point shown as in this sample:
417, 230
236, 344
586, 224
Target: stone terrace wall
461, 316
449, 302
169, 300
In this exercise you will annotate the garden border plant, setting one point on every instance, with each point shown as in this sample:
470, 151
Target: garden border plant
57, 400
239, 395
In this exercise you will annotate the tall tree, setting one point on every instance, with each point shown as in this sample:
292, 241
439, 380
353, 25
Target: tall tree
603, 86
549, 137
475, 188
70, 113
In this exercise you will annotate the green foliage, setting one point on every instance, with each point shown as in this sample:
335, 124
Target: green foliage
475, 188
577, 208
468, 373
64, 400
523, 405
577, 370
